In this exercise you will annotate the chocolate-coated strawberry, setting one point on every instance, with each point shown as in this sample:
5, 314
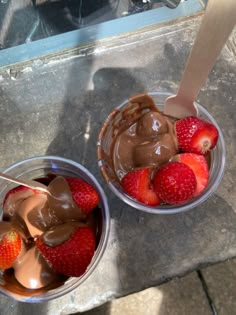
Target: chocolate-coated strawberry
72, 257
27, 192
86, 196
137, 184
174, 183
199, 166
196, 135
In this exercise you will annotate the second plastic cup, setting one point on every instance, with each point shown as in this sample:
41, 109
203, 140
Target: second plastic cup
116, 119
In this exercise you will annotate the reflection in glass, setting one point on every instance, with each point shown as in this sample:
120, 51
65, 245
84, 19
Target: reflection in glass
22, 21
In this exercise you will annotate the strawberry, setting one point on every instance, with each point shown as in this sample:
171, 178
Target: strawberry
174, 183
199, 166
137, 184
85, 196
10, 246
196, 135
72, 257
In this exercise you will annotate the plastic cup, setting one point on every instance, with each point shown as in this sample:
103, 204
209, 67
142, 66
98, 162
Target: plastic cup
105, 139
39, 167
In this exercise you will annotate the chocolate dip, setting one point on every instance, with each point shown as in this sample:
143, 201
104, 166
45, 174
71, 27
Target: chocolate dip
34, 213
40, 211
32, 271
62, 204
149, 141
60, 233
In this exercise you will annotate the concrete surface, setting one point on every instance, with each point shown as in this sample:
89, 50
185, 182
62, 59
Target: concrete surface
212, 292
46, 107
221, 284
179, 297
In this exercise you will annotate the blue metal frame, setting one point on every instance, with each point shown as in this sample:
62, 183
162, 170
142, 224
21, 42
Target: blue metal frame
69, 40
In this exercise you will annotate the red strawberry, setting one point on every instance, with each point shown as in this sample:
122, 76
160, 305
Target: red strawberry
10, 246
85, 196
175, 183
196, 135
199, 166
72, 257
138, 185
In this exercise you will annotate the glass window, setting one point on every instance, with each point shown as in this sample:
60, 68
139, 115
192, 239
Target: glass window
23, 22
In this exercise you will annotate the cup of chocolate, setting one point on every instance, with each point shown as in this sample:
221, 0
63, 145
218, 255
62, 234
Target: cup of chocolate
157, 163
50, 242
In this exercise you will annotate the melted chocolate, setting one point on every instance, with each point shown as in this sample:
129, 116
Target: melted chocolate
147, 139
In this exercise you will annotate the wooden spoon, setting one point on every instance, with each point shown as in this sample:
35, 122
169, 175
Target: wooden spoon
218, 22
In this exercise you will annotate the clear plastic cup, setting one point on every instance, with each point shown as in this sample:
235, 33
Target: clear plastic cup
105, 140
39, 167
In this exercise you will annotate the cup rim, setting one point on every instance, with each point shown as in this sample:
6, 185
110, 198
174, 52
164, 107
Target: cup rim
164, 209
75, 281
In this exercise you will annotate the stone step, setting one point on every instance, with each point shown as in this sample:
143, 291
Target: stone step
179, 297
209, 291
